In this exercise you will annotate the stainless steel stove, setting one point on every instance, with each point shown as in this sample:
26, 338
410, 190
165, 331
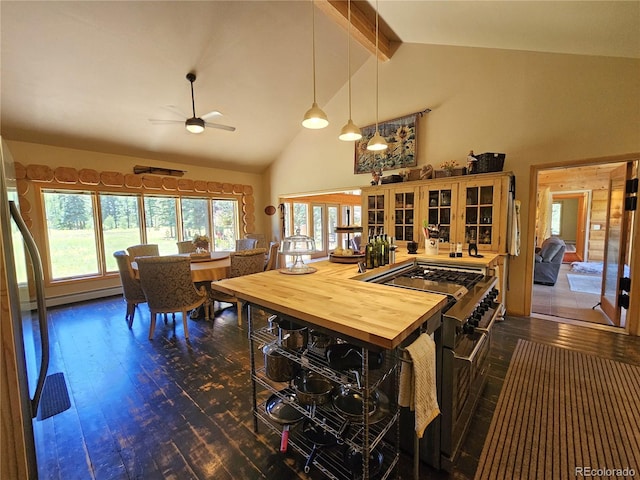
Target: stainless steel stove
462, 342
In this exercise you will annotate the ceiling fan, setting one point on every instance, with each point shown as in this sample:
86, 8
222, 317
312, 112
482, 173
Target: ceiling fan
194, 124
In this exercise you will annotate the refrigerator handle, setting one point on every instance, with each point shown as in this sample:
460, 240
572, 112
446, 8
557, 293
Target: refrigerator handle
40, 302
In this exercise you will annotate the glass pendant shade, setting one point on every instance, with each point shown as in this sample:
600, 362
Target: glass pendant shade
194, 125
377, 143
315, 118
350, 132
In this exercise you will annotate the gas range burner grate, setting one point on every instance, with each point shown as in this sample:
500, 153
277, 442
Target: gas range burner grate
466, 279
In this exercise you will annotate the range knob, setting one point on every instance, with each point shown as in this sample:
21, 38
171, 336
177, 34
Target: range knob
468, 328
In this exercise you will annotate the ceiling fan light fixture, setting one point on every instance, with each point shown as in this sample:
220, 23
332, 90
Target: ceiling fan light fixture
194, 125
350, 132
315, 118
377, 143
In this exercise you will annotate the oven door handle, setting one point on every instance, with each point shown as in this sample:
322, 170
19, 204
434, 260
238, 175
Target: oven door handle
475, 351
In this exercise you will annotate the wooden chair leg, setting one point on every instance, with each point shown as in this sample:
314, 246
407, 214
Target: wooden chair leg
239, 308
184, 323
129, 316
152, 325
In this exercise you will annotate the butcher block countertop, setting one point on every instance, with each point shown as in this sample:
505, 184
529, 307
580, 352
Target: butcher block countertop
375, 314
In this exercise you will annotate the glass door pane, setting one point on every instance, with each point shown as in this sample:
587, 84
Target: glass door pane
224, 224
332, 214
318, 227
195, 216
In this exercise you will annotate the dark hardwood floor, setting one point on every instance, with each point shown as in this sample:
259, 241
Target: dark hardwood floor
181, 409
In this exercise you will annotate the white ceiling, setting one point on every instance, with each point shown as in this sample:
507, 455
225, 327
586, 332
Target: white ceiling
89, 75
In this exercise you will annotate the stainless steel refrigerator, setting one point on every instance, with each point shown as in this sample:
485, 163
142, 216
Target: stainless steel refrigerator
24, 333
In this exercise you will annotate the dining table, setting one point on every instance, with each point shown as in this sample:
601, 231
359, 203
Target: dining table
207, 269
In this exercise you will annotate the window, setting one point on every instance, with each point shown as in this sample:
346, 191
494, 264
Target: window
301, 218
70, 233
84, 228
120, 225
195, 217
224, 224
556, 218
318, 227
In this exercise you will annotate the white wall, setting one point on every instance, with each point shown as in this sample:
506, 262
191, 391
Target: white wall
535, 107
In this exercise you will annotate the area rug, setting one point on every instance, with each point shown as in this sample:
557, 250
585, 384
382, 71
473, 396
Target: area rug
585, 283
563, 415
594, 268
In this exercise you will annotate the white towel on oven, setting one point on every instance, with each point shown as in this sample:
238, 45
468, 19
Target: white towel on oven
418, 389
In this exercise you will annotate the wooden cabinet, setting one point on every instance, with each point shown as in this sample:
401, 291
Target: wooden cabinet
467, 208
392, 210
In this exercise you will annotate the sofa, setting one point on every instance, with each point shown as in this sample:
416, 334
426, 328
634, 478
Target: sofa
548, 259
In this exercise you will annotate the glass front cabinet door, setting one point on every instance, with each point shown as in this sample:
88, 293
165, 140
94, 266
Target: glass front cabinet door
440, 201
403, 215
481, 213
375, 205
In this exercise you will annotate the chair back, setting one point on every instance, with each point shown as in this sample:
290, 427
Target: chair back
144, 250
167, 285
260, 240
272, 260
131, 287
247, 262
245, 244
186, 247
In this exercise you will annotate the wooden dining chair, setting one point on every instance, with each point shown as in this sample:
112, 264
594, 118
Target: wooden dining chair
186, 247
272, 256
245, 262
143, 250
131, 288
246, 244
168, 287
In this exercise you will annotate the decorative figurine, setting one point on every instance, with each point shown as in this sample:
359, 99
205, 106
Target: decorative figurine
471, 163
376, 175
426, 172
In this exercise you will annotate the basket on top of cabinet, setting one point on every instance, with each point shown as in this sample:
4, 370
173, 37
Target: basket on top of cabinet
489, 162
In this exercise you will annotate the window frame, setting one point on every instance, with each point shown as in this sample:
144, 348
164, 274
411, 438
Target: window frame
95, 191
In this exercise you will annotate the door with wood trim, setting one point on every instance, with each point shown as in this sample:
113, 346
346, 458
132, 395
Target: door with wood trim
615, 244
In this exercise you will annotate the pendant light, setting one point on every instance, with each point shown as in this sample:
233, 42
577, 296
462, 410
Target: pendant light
315, 118
350, 131
377, 143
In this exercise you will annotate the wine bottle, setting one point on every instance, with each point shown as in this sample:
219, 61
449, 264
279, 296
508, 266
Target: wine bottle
368, 254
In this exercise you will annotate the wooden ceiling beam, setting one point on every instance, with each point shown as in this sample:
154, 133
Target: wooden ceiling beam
363, 22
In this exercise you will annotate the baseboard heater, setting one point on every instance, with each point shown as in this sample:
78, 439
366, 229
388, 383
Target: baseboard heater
83, 296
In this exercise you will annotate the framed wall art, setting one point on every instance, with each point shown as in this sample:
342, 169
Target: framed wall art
401, 136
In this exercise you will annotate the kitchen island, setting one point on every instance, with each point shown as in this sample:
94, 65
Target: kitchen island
333, 301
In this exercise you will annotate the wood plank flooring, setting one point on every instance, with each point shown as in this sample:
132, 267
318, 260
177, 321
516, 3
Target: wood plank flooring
177, 409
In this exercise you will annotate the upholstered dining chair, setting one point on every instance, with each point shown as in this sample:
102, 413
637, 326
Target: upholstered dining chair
242, 263
131, 289
168, 288
272, 256
261, 242
144, 250
186, 247
245, 244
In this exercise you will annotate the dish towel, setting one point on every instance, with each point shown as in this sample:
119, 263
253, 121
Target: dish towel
514, 239
418, 389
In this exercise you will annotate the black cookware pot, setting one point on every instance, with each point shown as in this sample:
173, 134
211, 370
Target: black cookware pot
348, 401
280, 411
345, 356
353, 461
319, 437
291, 335
277, 367
312, 389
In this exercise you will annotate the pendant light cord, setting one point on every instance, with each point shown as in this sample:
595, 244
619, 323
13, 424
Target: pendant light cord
349, 53
313, 45
376, 59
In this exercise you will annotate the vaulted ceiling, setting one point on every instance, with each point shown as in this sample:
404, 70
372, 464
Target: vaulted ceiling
90, 75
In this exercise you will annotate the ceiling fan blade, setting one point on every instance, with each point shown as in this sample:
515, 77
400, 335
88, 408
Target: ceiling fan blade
157, 121
176, 111
221, 127
214, 113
